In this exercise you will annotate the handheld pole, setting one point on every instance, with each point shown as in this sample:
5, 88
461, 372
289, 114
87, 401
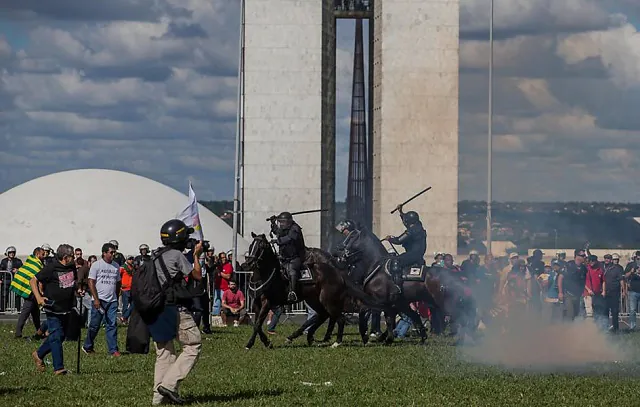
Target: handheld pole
79, 336
412, 198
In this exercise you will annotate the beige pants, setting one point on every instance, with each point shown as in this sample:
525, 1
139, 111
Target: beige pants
170, 369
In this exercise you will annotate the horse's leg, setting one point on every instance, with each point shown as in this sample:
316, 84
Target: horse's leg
302, 328
312, 330
385, 334
327, 335
261, 315
390, 317
341, 323
362, 325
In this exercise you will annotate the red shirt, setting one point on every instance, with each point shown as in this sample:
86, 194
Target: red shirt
220, 282
233, 299
595, 280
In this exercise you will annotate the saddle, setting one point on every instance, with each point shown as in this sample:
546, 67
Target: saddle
414, 272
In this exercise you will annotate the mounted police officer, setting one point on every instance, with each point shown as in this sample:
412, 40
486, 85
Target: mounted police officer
292, 251
344, 251
348, 252
414, 242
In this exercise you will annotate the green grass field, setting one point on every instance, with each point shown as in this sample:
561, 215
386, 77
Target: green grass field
404, 374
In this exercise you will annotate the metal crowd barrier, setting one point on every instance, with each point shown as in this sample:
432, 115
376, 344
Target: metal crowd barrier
9, 301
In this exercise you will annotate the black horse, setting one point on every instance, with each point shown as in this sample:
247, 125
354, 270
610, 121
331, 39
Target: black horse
437, 289
326, 292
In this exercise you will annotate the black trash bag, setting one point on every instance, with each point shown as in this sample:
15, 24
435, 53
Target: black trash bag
74, 326
138, 337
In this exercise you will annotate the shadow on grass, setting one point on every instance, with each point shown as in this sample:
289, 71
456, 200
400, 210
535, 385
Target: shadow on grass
6, 391
241, 395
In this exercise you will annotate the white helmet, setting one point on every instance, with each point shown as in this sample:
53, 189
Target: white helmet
114, 242
143, 247
46, 247
615, 256
10, 249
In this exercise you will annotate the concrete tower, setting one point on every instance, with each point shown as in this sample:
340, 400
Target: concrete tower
289, 113
416, 116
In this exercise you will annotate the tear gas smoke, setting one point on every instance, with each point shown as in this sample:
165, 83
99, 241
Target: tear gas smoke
531, 343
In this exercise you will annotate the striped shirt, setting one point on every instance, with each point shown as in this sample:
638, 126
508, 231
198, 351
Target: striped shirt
20, 283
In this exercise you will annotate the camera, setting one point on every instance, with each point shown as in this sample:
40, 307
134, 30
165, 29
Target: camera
191, 244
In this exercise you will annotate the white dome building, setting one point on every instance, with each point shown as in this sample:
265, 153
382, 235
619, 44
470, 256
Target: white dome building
87, 208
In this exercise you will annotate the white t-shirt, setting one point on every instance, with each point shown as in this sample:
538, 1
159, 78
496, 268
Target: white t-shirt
107, 276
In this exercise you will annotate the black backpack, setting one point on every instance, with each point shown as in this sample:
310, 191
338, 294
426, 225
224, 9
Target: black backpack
148, 295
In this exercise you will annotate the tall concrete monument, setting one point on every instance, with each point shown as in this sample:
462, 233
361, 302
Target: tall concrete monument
289, 113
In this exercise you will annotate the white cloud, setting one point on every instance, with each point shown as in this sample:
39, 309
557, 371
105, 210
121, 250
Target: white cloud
618, 49
129, 84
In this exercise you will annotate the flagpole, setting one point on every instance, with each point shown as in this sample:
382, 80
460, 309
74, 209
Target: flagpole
236, 187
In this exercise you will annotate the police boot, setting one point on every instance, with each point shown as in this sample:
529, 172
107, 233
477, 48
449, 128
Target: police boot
293, 281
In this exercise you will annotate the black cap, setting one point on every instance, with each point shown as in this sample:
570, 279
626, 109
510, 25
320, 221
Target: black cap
593, 258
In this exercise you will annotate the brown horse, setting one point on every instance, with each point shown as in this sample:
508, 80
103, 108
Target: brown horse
435, 289
326, 292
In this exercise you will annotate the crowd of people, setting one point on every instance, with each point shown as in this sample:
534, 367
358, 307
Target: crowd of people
560, 290
61, 281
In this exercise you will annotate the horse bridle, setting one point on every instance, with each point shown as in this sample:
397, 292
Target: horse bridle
252, 284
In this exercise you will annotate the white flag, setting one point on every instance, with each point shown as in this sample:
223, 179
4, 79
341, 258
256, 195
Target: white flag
190, 215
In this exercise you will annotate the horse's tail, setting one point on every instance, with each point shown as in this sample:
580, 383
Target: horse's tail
356, 292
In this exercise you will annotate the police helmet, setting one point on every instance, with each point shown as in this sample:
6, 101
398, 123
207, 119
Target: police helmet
174, 231
615, 256
285, 219
346, 224
410, 218
538, 252
114, 243
143, 247
46, 247
10, 249
285, 216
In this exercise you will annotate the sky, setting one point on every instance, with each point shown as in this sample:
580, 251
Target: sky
149, 87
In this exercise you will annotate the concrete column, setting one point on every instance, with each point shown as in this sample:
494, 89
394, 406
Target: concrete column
283, 110
416, 116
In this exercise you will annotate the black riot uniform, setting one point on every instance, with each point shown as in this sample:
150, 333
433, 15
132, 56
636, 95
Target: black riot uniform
349, 251
290, 241
414, 242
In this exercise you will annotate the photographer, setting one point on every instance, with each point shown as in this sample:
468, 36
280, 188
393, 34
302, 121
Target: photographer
175, 321
198, 288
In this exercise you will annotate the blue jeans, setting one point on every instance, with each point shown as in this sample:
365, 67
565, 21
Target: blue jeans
217, 301
110, 314
310, 313
127, 304
634, 305
402, 327
277, 312
56, 325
